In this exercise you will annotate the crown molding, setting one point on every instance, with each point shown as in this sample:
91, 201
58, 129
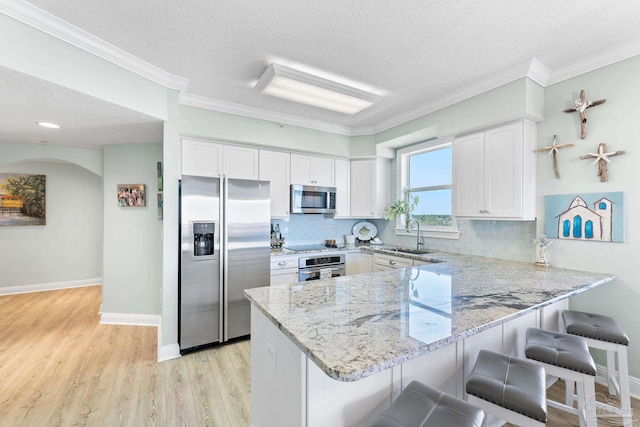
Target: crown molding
262, 114
593, 62
56, 27
508, 75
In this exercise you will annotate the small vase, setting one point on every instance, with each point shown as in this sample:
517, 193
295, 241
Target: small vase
542, 260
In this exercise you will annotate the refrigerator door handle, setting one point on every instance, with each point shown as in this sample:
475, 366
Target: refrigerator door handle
224, 271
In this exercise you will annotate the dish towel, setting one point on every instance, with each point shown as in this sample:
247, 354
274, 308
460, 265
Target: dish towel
325, 273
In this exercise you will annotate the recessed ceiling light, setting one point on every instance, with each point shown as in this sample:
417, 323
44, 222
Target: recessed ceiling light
49, 125
294, 85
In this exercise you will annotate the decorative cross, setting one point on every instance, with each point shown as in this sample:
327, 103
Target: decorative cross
602, 158
581, 106
553, 150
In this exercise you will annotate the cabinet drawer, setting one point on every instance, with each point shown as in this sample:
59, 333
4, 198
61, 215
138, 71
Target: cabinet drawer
392, 261
283, 263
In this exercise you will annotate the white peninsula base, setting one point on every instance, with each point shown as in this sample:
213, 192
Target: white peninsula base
288, 389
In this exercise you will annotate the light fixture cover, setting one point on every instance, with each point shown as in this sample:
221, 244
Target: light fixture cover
49, 125
295, 85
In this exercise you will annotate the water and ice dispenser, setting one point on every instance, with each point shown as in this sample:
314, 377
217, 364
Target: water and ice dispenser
203, 239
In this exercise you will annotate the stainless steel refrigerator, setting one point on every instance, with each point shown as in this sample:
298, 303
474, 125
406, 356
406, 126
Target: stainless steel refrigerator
224, 232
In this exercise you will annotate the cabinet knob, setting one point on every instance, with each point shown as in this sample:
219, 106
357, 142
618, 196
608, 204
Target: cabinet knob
392, 262
282, 263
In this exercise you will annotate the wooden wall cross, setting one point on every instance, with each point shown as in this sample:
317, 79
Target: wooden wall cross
602, 158
581, 106
553, 150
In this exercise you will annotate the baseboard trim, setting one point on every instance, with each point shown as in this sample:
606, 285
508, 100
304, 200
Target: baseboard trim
634, 382
51, 286
168, 352
130, 319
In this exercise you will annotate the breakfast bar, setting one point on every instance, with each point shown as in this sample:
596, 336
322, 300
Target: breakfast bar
338, 351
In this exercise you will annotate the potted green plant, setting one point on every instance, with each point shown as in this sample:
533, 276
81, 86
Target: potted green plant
403, 206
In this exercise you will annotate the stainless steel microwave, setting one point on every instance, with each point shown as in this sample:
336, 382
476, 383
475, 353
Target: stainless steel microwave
310, 199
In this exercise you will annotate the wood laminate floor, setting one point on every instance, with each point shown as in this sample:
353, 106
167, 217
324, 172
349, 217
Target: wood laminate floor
60, 367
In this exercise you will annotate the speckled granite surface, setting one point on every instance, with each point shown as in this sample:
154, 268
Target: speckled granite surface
355, 326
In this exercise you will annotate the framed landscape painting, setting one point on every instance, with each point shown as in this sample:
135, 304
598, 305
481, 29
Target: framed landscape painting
22, 199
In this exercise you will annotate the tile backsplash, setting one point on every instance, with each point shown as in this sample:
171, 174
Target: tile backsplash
314, 229
511, 240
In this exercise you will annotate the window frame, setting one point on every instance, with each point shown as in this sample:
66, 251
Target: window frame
402, 179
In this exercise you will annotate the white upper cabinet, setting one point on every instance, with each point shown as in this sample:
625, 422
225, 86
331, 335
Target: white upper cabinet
204, 158
369, 187
201, 158
494, 174
312, 170
342, 183
240, 162
274, 167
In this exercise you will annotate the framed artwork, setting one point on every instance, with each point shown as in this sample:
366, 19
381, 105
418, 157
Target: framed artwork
159, 167
160, 206
22, 199
594, 217
131, 195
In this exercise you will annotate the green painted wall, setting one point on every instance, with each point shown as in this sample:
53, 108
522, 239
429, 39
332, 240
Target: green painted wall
132, 267
232, 128
617, 124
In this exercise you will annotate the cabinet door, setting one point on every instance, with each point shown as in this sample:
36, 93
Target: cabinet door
275, 167
363, 193
282, 278
240, 162
503, 171
468, 175
323, 171
342, 182
311, 170
301, 169
358, 263
201, 158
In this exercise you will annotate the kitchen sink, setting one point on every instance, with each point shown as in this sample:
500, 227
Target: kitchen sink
414, 251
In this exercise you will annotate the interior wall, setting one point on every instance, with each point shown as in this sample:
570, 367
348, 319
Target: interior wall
204, 123
132, 278
616, 124
69, 247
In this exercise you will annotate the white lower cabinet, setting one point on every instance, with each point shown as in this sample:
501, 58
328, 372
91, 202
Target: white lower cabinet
359, 262
284, 270
384, 262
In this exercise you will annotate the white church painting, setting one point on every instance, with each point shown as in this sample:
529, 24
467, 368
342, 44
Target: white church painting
590, 217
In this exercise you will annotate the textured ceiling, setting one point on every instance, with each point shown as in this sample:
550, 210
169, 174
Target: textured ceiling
85, 121
412, 52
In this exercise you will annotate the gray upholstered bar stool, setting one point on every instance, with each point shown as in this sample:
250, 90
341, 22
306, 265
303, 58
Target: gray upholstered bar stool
422, 406
567, 357
603, 332
509, 388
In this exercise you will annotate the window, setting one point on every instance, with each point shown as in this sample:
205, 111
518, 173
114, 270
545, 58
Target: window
566, 228
425, 172
577, 226
588, 229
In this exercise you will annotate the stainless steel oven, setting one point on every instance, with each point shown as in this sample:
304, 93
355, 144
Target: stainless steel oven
321, 267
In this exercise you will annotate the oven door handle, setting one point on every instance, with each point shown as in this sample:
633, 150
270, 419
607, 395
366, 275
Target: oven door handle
317, 269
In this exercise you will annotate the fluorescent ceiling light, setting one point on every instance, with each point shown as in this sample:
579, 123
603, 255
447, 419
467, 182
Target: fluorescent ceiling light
49, 125
298, 86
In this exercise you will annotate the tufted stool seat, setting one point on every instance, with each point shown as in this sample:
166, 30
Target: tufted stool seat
421, 405
509, 388
604, 333
566, 356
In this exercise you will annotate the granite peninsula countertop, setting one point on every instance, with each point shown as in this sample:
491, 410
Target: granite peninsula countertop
354, 326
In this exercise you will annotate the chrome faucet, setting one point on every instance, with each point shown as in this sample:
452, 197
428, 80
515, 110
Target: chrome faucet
418, 240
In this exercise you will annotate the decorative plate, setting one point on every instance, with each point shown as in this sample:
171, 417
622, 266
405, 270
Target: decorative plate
364, 230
